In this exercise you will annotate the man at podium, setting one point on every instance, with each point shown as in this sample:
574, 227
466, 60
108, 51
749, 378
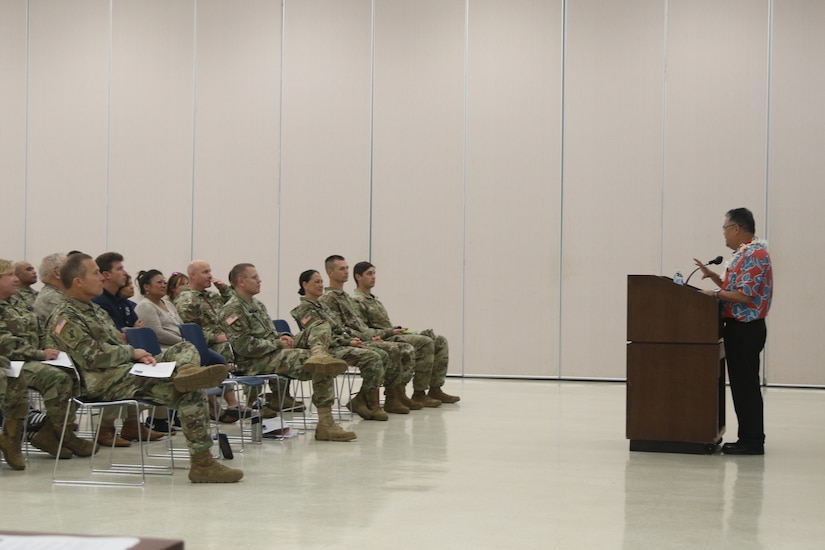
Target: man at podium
745, 296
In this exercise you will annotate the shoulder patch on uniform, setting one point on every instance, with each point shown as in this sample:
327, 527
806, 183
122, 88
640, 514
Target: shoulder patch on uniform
231, 319
58, 328
307, 318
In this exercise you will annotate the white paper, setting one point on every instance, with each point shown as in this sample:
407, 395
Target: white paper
275, 427
160, 370
63, 360
60, 542
14, 369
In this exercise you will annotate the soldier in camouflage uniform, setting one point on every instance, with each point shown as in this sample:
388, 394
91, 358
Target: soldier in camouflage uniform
197, 305
376, 316
320, 325
22, 339
52, 292
86, 332
399, 370
259, 349
26, 277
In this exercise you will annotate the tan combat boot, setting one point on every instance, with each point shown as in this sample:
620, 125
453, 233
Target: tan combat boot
401, 393
328, 430
10, 443
132, 431
392, 404
191, 377
107, 437
359, 406
46, 440
437, 393
205, 469
321, 362
372, 401
420, 396
80, 447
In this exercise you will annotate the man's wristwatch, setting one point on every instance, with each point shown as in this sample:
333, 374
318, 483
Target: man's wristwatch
716, 294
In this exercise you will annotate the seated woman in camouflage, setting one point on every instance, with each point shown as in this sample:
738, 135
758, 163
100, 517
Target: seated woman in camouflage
322, 327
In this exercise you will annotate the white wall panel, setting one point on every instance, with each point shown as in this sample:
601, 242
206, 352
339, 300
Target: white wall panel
715, 138
150, 174
612, 176
325, 186
418, 185
797, 170
235, 193
68, 125
513, 188
13, 99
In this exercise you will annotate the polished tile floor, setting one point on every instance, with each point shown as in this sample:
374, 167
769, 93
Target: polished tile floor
517, 464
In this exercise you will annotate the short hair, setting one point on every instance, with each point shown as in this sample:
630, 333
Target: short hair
49, 264
106, 260
237, 272
73, 268
6, 267
360, 268
144, 278
329, 263
743, 218
304, 278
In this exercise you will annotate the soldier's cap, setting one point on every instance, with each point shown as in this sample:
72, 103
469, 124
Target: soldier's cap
6, 267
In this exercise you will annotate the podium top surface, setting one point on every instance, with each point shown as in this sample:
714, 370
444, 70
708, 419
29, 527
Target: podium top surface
660, 311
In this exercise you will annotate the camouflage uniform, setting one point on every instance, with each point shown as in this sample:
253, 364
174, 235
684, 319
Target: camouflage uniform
46, 302
27, 295
432, 352
399, 368
21, 339
259, 350
204, 308
321, 327
87, 333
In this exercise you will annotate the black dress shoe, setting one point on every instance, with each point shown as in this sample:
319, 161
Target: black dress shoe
740, 449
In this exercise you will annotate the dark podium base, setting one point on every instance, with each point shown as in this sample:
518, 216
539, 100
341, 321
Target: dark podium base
674, 447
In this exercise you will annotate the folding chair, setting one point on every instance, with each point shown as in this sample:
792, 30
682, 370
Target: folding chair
141, 469
193, 332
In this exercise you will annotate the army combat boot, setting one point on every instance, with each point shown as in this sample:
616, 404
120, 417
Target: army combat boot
321, 362
80, 447
437, 393
392, 404
46, 440
191, 377
328, 430
372, 402
420, 396
401, 393
205, 469
10, 443
359, 406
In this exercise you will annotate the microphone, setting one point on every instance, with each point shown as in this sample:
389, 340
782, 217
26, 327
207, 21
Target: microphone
716, 261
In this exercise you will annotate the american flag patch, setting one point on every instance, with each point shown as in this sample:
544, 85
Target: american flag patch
231, 319
58, 328
306, 319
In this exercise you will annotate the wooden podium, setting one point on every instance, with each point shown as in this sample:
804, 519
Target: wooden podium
675, 367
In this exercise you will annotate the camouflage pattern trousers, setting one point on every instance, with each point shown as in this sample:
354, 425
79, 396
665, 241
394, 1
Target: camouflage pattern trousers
370, 362
191, 406
398, 367
290, 363
54, 384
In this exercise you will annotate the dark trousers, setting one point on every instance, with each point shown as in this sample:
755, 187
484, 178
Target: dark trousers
743, 344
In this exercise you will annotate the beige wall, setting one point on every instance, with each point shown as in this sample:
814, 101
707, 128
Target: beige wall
504, 164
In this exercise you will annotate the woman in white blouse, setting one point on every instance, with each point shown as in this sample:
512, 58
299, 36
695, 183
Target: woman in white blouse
155, 310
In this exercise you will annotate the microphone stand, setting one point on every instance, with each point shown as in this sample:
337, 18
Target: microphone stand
691, 274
